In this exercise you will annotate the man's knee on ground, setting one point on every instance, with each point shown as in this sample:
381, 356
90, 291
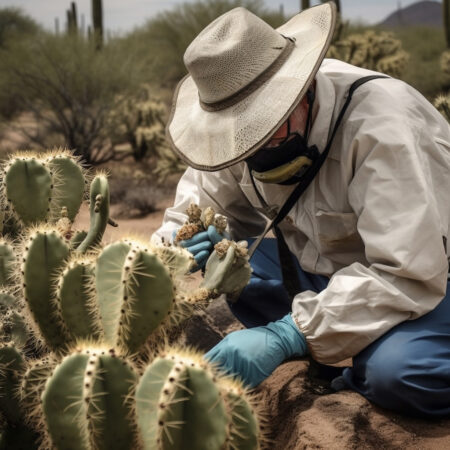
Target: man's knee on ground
398, 378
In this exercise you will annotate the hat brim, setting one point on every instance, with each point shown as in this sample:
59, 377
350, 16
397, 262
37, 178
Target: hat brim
214, 140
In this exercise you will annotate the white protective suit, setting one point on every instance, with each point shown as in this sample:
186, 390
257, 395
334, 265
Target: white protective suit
375, 218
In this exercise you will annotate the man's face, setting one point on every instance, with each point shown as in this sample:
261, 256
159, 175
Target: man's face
297, 124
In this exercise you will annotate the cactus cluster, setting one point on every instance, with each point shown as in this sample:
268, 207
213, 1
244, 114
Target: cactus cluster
141, 122
83, 325
373, 51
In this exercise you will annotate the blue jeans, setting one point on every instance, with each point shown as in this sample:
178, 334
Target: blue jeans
406, 370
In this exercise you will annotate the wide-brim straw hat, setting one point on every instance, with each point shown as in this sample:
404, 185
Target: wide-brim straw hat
245, 78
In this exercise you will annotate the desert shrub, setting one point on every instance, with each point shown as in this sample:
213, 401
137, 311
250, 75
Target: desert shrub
69, 88
140, 201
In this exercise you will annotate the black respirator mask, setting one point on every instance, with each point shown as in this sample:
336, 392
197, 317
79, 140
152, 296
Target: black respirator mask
287, 162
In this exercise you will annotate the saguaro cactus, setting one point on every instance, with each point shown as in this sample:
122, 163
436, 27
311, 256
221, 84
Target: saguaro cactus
97, 21
446, 19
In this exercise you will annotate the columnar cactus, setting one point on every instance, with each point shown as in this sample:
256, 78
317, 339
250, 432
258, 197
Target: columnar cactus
87, 403
446, 19
442, 104
140, 295
182, 401
36, 188
75, 294
82, 302
99, 213
44, 254
373, 51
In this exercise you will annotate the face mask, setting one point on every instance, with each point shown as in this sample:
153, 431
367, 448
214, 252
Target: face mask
287, 162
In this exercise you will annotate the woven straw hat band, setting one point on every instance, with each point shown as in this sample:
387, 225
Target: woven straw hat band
233, 55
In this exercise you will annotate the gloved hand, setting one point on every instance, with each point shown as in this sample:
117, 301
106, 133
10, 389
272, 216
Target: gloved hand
202, 244
254, 353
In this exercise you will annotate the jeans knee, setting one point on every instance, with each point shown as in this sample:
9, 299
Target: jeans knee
398, 379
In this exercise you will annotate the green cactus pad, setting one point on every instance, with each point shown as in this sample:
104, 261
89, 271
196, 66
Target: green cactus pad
7, 262
12, 365
150, 297
190, 408
85, 405
99, 213
228, 273
75, 298
110, 287
45, 253
69, 185
29, 187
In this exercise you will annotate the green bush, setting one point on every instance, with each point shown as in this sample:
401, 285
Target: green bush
69, 88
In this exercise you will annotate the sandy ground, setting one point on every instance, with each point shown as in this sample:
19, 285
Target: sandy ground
302, 411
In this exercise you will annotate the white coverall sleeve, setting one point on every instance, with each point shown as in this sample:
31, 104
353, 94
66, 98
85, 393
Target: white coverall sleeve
401, 222
219, 190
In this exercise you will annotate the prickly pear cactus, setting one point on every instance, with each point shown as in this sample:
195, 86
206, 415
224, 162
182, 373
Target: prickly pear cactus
180, 394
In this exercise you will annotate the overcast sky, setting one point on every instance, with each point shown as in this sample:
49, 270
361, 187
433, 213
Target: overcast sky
124, 15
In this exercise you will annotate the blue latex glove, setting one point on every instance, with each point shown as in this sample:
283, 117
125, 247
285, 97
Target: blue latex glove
202, 244
253, 354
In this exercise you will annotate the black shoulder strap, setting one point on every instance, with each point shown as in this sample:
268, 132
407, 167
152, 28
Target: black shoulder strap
314, 168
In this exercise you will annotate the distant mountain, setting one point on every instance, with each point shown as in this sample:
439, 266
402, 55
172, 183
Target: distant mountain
420, 13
